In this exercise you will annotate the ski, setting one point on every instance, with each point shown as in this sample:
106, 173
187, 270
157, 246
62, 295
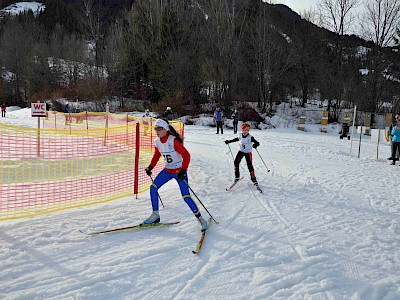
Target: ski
233, 184
138, 226
203, 235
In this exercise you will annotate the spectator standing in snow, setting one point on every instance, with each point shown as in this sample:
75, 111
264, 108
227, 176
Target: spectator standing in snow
48, 107
168, 114
246, 144
67, 111
219, 119
395, 140
177, 159
3, 110
235, 117
146, 119
394, 122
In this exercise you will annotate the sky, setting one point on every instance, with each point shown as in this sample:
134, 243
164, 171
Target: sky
327, 226
299, 5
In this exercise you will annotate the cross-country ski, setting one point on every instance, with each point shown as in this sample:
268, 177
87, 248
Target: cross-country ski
229, 188
202, 237
133, 227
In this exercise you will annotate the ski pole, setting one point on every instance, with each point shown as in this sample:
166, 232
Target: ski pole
151, 177
263, 160
231, 151
216, 222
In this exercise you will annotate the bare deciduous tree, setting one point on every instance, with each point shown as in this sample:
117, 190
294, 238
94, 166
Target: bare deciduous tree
337, 15
380, 21
16, 53
93, 27
273, 56
222, 30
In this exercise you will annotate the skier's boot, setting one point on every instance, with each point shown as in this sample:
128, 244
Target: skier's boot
203, 223
254, 179
154, 218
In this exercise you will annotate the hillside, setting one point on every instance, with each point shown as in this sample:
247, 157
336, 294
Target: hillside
190, 54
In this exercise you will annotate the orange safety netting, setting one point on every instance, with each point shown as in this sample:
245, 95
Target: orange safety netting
46, 170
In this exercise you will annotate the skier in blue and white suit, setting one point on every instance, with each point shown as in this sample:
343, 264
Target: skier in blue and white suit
246, 144
177, 159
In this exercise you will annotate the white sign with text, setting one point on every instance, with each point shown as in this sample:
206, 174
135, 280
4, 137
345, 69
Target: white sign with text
38, 109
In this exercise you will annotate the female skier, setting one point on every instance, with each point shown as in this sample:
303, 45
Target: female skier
246, 141
177, 158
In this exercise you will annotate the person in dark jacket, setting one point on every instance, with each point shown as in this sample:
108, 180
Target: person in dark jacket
67, 109
235, 117
67, 112
168, 114
3, 110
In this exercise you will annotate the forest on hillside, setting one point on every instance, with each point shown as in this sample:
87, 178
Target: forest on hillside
188, 52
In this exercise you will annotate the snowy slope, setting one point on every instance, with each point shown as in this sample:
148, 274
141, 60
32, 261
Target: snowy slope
19, 7
326, 227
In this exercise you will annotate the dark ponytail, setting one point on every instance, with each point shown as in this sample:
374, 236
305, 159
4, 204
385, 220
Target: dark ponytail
173, 132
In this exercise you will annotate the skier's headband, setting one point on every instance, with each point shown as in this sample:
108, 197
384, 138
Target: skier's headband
245, 126
161, 123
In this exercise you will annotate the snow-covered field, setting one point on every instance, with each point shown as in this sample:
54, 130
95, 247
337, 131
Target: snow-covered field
326, 227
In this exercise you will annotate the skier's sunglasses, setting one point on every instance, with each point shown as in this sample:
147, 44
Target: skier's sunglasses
159, 128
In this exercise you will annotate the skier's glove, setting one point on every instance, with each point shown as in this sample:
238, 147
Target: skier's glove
181, 174
227, 142
256, 145
148, 170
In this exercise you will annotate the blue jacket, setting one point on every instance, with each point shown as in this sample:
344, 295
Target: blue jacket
219, 115
396, 133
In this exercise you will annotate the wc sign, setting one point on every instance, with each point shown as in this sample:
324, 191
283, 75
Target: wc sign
38, 109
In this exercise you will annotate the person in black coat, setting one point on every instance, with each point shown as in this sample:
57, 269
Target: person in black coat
168, 114
235, 117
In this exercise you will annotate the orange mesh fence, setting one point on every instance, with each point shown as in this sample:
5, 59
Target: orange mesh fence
46, 170
87, 120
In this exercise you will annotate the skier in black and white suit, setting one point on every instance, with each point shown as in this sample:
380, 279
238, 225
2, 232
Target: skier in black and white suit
246, 144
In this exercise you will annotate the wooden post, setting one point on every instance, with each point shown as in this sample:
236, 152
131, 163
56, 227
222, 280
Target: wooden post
38, 139
377, 144
352, 129
106, 130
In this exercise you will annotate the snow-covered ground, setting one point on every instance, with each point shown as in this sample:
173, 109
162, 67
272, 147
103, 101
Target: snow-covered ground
326, 227
20, 7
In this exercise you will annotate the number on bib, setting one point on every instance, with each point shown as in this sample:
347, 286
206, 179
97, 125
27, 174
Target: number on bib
168, 158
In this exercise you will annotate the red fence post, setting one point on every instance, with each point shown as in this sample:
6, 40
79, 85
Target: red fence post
136, 176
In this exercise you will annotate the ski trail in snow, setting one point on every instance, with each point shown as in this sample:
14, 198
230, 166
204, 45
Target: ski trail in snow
273, 212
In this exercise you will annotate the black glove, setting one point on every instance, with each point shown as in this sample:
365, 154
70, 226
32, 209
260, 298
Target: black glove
181, 174
256, 145
227, 142
148, 170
